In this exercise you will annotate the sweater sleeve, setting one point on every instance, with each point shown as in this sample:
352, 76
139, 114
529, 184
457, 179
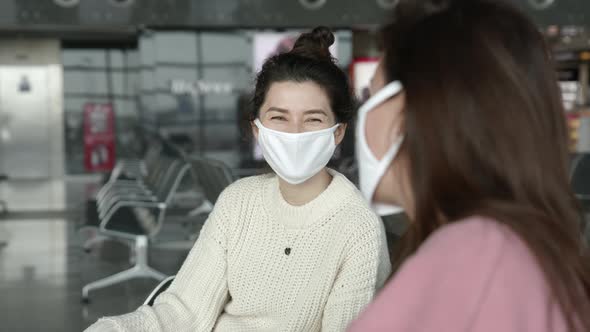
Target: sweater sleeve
469, 276
363, 272
198, 293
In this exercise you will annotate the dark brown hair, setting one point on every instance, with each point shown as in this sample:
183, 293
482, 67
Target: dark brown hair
309, 60
485, 134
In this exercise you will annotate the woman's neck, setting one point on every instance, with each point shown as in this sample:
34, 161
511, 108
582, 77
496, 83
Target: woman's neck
303, 193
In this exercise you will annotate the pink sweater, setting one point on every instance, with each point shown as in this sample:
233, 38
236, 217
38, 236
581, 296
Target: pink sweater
473, 275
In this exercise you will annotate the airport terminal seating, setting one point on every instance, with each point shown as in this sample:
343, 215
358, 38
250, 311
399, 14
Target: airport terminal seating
213, 176
580, 181
3, 207
117, 201
117, 210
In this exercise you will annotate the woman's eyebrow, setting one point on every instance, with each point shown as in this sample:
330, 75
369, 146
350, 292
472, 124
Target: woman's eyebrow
277, 109
316, 111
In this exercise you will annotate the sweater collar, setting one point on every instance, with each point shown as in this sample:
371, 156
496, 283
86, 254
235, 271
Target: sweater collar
305, 215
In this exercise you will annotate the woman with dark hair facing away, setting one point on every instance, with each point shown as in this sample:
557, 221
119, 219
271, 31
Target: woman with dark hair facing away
296, 250
467, 130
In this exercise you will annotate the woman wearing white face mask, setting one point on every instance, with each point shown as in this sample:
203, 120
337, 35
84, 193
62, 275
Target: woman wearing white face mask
466, 132
298, 250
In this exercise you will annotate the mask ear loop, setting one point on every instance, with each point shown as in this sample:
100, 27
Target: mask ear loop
388, 91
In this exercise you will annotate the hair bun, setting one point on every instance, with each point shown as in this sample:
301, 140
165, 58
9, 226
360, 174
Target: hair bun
315, 44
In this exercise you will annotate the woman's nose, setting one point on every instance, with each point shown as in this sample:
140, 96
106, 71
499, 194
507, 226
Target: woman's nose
295, 127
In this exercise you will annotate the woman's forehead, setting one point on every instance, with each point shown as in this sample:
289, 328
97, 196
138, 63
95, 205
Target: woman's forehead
296, 97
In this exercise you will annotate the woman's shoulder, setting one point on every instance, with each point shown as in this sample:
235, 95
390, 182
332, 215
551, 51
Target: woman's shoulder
352, 202
476, 271
247, 185
476, 233
484, 247
348, 192
480, 270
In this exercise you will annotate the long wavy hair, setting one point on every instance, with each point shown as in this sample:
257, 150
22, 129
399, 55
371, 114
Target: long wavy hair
486, 135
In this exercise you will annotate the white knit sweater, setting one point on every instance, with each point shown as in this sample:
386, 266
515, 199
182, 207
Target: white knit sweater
240, 276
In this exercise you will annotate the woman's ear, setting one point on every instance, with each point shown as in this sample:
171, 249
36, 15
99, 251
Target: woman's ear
339, 133
254, 130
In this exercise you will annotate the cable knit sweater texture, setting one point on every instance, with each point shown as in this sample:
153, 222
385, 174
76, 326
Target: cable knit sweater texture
240, 276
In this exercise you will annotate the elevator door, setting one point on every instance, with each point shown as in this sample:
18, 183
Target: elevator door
24, 122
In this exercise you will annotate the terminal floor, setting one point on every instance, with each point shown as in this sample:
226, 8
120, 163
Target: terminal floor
43, 266
43, 269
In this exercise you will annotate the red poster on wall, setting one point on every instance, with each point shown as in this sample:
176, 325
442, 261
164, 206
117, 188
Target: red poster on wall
99, 137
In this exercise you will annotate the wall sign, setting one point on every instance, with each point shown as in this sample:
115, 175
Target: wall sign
24, 85
99, 137
183, 87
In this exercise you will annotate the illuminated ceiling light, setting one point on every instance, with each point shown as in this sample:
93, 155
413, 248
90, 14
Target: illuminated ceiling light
312, 4
66, 3
541, 4
121, 3
387, 4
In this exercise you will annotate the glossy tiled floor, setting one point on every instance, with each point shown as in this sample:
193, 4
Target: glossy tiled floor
43, 266
43, 269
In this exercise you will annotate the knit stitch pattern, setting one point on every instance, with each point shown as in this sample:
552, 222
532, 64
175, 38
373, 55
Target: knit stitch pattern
261, 264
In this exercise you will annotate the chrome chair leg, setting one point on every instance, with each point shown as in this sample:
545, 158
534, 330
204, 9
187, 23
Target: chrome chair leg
141, 269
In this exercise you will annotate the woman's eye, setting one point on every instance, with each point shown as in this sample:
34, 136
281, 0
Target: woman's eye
280, 118
314, 120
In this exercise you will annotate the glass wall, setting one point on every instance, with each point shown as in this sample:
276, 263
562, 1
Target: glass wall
191, 87
101, 76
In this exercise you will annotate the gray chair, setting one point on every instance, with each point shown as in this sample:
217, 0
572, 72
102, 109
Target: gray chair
213, 176
161, 288
3, 211
144, 191
130, 169
143, 188
139, 184
580, 182
120, 222
3, 207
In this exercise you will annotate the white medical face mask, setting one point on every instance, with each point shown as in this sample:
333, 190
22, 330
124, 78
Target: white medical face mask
371, 169
296, 157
